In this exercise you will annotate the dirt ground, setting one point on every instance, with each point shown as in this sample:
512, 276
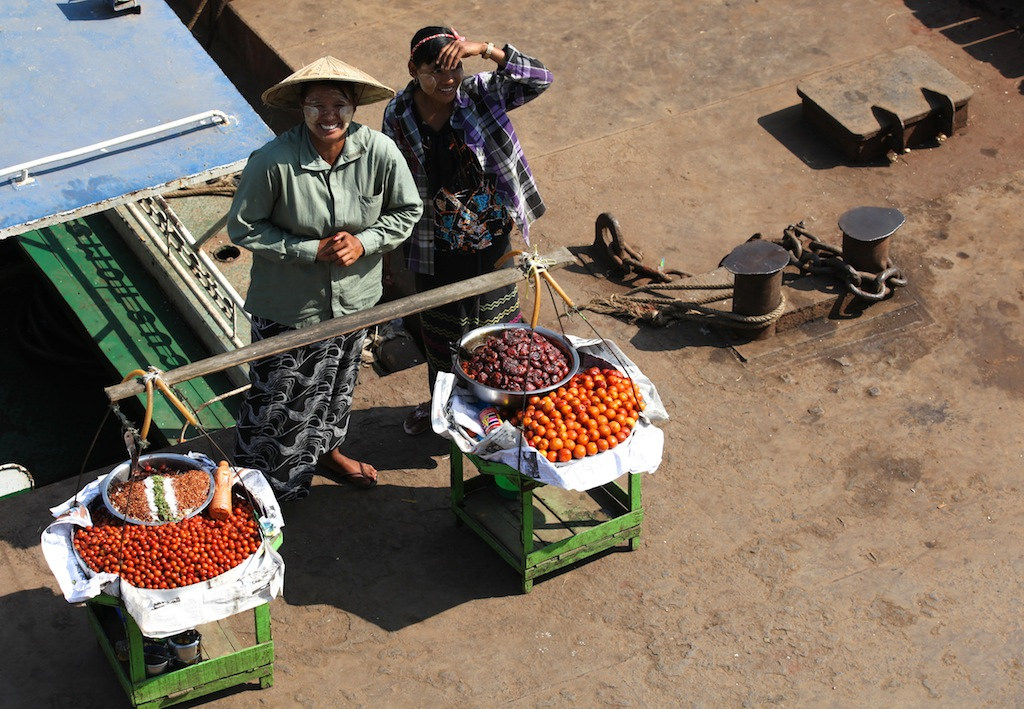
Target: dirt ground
836, 520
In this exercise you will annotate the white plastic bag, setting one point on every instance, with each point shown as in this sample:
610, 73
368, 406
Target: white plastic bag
453, 412
162, 613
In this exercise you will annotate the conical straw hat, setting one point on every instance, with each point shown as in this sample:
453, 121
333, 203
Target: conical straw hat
286, 93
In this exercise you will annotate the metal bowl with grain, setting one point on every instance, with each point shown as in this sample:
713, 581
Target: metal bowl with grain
509, 397
137, 505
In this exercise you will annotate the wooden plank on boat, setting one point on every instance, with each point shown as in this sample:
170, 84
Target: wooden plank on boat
385, 312
126, 314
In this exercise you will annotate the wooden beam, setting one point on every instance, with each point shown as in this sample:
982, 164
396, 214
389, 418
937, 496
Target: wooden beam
385, 312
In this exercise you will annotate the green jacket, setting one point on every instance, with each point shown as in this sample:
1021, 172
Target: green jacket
289, 198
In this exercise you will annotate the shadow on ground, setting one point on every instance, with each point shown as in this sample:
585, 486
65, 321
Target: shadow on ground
788, 127
392, 556
995, 35
40, 617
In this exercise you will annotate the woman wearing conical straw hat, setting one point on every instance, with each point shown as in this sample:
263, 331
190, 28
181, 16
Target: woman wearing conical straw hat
318, 207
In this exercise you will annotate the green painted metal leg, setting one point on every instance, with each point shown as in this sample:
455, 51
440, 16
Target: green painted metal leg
136, 651
526, 531
211, 675
523, 553
635, 503
262, 616
458, 488
262, 621
526, 528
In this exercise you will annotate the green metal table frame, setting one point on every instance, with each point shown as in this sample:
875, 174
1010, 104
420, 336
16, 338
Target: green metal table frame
573, 526
227, 667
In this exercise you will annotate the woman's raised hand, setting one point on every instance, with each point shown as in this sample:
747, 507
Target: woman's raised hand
453, 52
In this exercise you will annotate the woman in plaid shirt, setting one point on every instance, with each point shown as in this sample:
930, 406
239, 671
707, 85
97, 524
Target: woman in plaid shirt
472, 175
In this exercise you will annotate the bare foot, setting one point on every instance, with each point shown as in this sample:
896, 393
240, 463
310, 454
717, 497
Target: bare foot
349, 470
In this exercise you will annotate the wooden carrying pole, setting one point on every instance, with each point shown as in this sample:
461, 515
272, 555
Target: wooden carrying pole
385, 312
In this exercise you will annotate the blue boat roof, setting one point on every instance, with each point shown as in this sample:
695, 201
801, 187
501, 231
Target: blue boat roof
80, 74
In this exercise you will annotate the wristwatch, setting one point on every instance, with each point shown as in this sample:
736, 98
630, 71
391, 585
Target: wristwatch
490, 48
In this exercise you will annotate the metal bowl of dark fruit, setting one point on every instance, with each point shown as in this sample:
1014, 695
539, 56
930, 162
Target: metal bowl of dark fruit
504, 364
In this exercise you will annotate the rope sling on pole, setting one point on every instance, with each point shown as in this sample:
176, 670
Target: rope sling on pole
534, 268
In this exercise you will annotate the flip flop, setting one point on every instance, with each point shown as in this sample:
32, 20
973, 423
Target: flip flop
361, 479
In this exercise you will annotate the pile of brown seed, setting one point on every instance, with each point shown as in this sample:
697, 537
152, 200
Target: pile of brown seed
191, 489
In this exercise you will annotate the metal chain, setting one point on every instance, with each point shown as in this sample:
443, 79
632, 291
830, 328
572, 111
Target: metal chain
649, 303
819, 258
622, 256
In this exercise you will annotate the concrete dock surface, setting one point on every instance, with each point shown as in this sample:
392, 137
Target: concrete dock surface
837, 517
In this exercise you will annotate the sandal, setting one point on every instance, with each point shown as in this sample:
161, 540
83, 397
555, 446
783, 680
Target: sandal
364, 478
418, 421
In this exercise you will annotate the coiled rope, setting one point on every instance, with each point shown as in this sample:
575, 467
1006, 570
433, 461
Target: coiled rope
648, 305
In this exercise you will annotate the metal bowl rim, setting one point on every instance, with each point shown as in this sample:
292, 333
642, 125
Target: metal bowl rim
482, 332
120, 470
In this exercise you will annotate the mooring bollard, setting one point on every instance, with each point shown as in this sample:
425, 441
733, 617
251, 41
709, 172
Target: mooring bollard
866, 232
757, 286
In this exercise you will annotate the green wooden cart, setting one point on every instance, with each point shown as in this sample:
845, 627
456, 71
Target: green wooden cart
538, 528
224, 660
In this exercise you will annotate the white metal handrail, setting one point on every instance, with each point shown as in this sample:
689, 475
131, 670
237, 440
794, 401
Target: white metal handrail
162, 241
211, 117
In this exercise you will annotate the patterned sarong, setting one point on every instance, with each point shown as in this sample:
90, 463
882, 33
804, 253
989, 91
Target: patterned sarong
297, 409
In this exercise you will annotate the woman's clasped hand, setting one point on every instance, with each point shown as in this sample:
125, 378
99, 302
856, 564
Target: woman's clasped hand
342, 249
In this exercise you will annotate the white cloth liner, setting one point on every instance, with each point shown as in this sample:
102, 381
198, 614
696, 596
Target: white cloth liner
454, 414
161, 613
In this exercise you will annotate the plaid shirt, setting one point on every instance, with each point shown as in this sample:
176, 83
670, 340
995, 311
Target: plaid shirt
480, 116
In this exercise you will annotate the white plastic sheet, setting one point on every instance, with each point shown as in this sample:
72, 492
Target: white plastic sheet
454, 415
162, 613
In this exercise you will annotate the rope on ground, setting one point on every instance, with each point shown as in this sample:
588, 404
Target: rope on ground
651, 304
655, 287
660, 312
680, 310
